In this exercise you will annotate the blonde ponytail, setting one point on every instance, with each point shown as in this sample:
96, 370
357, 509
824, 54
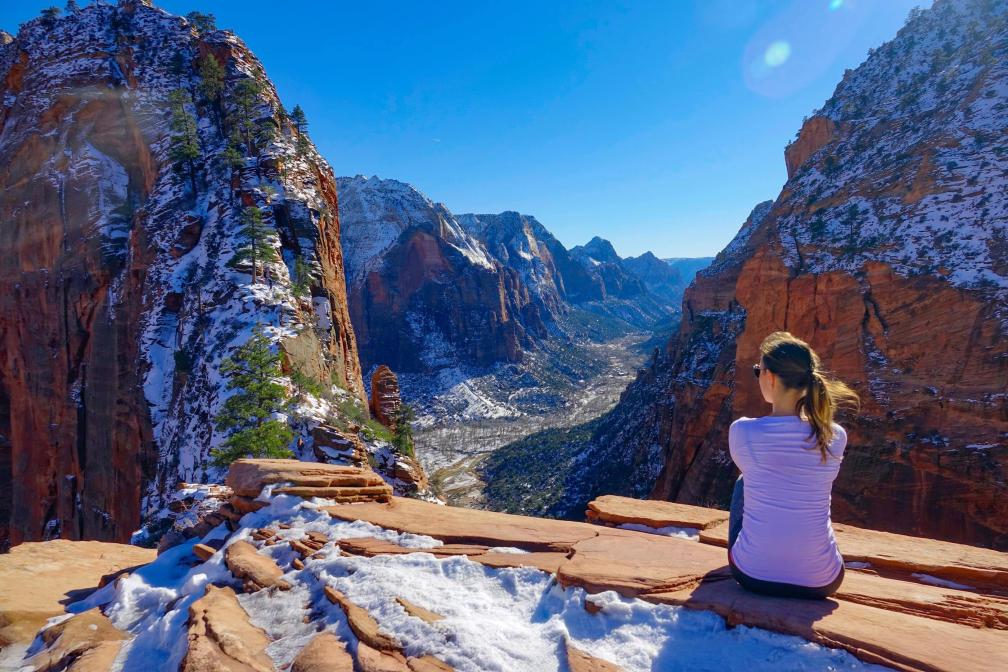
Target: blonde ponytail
798, 367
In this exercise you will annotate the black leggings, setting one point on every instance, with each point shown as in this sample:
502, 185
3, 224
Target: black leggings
779, 589
775, 588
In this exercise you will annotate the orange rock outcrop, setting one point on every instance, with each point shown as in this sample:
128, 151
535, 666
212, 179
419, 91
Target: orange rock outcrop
815, 133
385, 400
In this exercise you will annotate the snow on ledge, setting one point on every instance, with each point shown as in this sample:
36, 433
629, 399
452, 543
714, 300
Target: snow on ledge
494, 618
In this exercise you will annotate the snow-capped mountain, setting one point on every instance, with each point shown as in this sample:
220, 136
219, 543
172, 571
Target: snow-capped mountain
544, 265
424, 293
886, 249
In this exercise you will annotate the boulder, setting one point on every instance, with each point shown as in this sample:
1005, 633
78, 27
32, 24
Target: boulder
370, 659
324, 653
333, 446
248, 477
579, 661
203, 551
86, 642
221, 637
361, 622
409, 470
256, 570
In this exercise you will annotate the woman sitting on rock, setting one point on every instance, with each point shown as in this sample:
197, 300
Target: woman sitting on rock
780, 540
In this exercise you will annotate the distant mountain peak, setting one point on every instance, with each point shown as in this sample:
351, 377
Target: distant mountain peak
598, 249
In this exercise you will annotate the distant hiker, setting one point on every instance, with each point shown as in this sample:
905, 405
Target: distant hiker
780, 539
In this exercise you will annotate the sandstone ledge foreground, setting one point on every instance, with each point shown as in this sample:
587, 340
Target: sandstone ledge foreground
880, 619
905, 603
38, 578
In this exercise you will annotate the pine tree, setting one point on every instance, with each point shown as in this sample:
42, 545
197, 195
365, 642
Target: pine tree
72, 7
246, 97
211, 79
259, 249
265, 134
301, 124
185, 142
402, 440
233, 156
302, 278
203, 23
177, 66
49, 16
253, 371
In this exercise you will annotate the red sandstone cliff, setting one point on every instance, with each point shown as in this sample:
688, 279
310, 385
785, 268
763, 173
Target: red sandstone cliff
117, 302
887, 251
424, 293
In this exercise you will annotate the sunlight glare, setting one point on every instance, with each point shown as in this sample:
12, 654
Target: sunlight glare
777, 53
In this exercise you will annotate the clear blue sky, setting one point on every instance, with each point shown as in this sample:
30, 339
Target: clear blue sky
655, 125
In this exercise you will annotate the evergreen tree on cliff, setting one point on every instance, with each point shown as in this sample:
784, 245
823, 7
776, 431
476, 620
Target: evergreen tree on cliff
49, 16
203, 23
185, 147
300, 121
246, 96
253, 371
257, 233
211, 84
402, 440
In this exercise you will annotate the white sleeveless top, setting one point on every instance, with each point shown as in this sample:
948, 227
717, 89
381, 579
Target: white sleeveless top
786, 532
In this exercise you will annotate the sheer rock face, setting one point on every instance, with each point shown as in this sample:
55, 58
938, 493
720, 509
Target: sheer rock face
554, 277
887, 251
385, 400
114, 271
814, 134
423, 291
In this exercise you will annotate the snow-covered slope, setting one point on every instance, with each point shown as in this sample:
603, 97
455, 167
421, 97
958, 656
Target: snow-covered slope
376, 212
122, 287
424, 293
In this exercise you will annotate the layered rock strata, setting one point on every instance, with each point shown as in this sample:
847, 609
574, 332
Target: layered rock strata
385, 399
423, 291
886, 251
118, 299
879, 617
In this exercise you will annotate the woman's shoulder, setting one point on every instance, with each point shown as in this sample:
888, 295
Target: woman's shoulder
839, 434
744, 420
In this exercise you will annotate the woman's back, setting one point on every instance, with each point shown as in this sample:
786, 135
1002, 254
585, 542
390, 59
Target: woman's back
786, 532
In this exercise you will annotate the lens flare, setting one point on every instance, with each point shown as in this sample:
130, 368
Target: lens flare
777, 53
835, 5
